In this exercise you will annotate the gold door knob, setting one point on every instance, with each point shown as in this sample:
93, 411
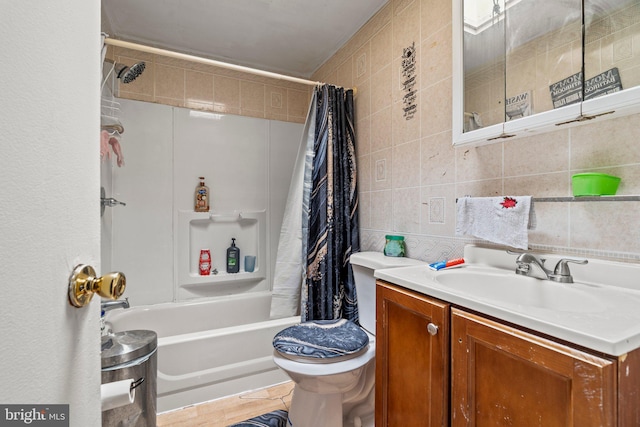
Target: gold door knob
83, 283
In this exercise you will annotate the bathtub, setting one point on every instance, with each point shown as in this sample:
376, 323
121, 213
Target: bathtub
208, 349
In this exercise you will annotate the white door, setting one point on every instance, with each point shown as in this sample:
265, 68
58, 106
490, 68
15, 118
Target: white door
49, 203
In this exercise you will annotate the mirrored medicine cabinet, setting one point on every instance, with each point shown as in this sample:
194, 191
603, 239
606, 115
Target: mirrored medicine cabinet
528, 66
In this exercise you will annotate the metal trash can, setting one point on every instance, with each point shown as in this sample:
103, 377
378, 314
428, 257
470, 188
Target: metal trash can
131, 354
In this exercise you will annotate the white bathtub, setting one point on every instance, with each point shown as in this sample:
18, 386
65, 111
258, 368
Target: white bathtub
208, 349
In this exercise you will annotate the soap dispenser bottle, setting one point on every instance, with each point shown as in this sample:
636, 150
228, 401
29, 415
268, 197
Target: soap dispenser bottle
233, 258
202, 197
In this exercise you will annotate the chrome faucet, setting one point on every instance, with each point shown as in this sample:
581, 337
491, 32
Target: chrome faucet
111, 305
560, 273
526, 261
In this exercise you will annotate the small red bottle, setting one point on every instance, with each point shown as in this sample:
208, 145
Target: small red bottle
205, 262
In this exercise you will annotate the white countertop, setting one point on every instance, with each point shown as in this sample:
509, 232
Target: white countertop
607, 319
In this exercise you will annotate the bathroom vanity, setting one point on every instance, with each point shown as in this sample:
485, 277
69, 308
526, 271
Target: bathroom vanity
482, 357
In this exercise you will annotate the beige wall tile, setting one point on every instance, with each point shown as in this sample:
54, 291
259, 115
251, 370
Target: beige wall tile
405, 127
543, 185
438, 159
538, 154
479, 163
438, 210
364, 209
169, 101
381, 170
169, 82
381, 52
381, 90
363, 136
252, 98
381, 210
276, 103
552, 224
605, 226
435, 105
297, 104
406, 165
206, 87
406, 25
629, 178
345, 74
198, 89
364, 173
484, 188
406, 210
434, 14
381, 130
226, 95
606, 143
136, 96
123, 53
436, 57
362, 101
361, 65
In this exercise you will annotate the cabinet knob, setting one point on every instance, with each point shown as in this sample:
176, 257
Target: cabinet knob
432, 329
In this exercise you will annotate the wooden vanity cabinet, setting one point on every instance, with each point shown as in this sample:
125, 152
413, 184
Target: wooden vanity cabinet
502, 376
478, 372
412, 359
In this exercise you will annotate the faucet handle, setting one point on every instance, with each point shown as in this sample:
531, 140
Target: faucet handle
561, 273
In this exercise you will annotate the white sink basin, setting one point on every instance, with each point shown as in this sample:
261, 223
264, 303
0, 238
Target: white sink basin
508, 288
599, 311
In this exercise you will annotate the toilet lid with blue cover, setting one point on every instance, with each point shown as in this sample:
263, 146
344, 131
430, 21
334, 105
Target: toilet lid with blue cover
321, 340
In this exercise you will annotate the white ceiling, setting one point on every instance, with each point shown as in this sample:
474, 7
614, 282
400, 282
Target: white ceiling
293, 37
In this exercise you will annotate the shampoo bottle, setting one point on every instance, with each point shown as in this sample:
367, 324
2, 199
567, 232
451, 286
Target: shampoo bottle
233, 258
202, 197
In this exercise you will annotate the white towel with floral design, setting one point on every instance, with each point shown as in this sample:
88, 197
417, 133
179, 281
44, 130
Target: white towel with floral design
504, 220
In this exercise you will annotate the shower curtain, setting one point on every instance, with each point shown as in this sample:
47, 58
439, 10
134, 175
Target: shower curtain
324, 194
289, 269
328, 208
329, 291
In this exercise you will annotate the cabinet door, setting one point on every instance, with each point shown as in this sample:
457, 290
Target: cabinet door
502, 376
412, 359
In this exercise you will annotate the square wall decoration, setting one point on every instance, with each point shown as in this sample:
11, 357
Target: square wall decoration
436, 210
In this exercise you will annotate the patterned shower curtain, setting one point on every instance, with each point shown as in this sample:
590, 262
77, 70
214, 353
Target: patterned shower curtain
332, 215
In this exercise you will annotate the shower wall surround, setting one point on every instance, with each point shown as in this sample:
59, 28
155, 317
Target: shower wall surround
247, 163
410, 174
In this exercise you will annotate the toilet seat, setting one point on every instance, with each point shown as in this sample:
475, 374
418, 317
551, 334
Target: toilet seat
321, 341
331, 367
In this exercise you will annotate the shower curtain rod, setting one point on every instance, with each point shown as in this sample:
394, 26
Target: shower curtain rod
177, 55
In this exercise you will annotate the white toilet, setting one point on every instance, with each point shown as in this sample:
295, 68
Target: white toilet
337, 389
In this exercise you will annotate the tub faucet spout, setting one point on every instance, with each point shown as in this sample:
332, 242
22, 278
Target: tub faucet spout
111, 305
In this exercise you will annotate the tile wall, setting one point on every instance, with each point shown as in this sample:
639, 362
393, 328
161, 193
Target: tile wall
181, 83
410, 175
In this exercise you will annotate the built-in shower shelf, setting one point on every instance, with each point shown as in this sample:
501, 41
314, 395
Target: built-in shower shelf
214, 231
242, 276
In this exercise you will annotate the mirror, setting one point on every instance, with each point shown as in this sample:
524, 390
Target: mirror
612, 27
519, 65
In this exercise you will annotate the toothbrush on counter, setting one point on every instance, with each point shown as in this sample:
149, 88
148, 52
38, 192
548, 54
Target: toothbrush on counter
446, 264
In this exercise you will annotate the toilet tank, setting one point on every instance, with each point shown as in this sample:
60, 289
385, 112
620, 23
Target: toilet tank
363, 265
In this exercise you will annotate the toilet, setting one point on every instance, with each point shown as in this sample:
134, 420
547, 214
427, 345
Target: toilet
332, 363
